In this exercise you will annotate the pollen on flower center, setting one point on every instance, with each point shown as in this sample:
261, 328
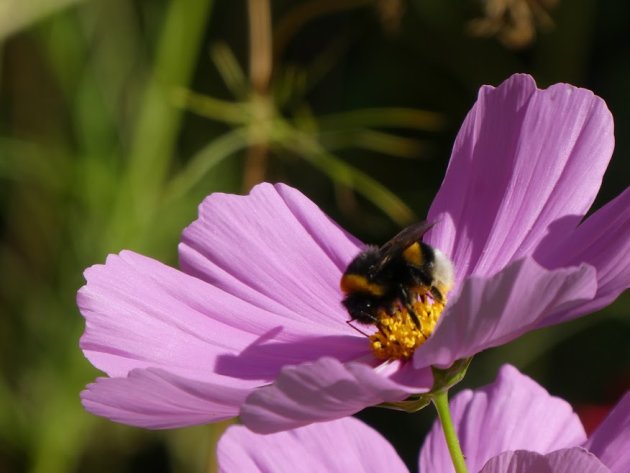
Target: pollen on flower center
398, 334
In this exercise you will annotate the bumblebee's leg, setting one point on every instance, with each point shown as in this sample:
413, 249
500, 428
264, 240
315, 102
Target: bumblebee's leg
406, 297
436, 294
349, 322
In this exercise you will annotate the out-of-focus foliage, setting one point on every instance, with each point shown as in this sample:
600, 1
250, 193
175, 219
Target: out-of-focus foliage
118, 116
513, 22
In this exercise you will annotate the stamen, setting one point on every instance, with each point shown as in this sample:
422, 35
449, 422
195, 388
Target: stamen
398, 335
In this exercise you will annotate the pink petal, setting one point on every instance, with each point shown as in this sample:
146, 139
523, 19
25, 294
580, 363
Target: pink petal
493, 311
342, 446
611, 441
520, 461
275, 249
523, 159
140, 313
155, 399
512, 413
570, 460
315, 392
603, 241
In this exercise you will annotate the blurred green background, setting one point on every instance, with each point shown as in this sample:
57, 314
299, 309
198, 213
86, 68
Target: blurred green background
118, 116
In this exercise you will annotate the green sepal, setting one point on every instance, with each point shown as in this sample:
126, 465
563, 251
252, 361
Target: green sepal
443, 380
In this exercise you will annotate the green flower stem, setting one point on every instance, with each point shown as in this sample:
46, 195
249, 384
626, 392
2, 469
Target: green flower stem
440, 400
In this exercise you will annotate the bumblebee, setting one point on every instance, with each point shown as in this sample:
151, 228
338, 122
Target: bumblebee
395, 273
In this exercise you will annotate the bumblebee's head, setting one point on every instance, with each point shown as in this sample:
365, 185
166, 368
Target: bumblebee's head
361, 307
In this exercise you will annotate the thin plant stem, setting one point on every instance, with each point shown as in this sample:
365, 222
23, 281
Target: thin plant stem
440, 400
260, 58
260, 71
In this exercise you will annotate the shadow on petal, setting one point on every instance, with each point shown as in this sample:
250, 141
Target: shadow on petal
265, 357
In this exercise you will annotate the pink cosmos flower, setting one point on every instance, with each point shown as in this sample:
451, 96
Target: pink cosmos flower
515, 413
252, 325
512, 426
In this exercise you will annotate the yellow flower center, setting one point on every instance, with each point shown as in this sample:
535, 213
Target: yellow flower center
400, 333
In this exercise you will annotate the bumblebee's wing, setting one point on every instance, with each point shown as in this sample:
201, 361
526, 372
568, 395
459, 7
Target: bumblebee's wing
395, 247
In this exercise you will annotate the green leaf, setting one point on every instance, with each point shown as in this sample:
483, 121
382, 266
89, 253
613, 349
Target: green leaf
344, 173
373, 140
203, 162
